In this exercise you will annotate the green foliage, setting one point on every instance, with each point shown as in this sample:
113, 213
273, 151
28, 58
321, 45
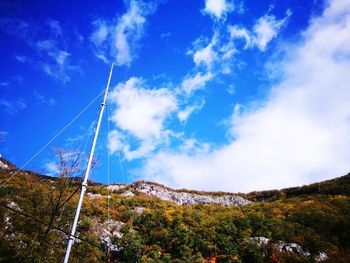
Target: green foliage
317, 217
130, 246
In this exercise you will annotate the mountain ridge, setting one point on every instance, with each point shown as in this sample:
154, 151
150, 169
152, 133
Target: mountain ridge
320, 187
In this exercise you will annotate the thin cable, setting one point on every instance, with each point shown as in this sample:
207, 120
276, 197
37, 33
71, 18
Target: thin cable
121, 169
92, 127
108, 182
46, 224
108, 164
81, 157
65, 127
124, 181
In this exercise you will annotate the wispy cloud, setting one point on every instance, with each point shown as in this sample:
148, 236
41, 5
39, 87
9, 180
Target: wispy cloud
12, 107
206, 55
101, 32
263, 32
191, 83
184, 114
165, 36
51, 168
267, 28
51, 52
3, 134
41, 99
7, 106
119, 39
22, 59
4, 84
215, 57
15, 27
55, 27
55, 59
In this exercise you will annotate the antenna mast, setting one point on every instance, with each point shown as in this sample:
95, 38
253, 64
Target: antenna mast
87, 172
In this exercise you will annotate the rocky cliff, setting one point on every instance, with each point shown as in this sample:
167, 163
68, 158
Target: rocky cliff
182, 197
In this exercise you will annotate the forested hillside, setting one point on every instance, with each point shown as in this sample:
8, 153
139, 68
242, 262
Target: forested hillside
303, 224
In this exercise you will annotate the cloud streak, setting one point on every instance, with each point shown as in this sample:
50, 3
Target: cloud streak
119, 40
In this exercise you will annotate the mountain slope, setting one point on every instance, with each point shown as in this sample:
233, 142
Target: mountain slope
148, 222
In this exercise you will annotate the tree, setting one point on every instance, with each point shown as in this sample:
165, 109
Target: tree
44, 205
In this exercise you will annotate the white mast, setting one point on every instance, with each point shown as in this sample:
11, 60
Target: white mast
87, 172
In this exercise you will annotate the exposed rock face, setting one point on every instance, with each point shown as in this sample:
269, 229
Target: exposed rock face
92, 196
116, 187
186, 198
106, 231
127, 193
3, 165
290, 248
139, 210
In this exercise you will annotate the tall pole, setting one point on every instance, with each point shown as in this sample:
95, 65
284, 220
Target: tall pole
87, 172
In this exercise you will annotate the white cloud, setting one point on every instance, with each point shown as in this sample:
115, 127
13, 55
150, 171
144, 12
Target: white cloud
218, 8
101, 31
240, 33
192, 83
192, 146
129, 30
231, 89
165, 36
206, 55
184, 114
120, 39
267, 28
142, 113
115, 139
216, 56
300, 134
102, 57
46, 45
263, 32
51, 168
49, 48
61, 57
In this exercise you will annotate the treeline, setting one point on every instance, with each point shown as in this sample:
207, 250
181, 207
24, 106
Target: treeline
337, 186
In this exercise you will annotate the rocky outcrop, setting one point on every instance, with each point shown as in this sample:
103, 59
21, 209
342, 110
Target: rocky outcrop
4, 165
294, 248
127, 193
106, 231
116, 187
187, 198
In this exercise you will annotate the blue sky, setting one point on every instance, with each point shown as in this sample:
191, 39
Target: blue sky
209, 94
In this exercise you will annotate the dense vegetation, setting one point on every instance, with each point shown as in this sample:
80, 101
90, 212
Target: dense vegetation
36, 211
